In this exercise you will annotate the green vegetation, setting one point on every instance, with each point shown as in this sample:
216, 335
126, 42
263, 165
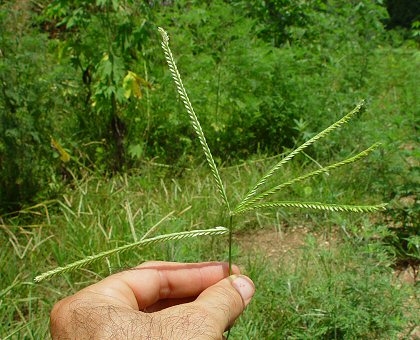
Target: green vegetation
96, 153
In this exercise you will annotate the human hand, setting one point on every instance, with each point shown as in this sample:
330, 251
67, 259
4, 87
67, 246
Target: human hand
156, 300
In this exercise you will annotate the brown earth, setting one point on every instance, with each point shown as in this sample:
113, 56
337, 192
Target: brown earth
274, 244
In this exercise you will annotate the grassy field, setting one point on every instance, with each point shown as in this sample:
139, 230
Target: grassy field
334, 280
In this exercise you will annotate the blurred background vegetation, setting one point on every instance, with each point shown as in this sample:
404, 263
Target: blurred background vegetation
87, 105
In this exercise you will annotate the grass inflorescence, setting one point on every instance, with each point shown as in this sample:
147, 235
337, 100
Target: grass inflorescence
251, 200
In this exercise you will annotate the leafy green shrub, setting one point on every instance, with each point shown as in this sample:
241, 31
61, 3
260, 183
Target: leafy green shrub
404, 216
103, 41
242, 87
276, 19
31, 103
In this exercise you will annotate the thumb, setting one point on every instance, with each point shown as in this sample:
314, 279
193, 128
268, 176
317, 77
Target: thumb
226, 300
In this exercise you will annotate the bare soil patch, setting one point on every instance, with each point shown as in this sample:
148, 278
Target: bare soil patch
274, 244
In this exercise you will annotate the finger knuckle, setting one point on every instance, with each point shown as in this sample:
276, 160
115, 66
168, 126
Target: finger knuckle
231, 299
225, 307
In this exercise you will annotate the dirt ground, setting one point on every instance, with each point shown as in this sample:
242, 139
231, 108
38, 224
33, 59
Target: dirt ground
274, 245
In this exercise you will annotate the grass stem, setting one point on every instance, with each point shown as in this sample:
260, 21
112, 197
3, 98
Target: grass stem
230, 244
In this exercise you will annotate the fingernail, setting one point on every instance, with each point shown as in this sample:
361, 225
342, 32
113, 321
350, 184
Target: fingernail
244, 286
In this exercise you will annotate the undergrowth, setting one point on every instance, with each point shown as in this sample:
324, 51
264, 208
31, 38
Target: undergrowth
341, 291
98, 214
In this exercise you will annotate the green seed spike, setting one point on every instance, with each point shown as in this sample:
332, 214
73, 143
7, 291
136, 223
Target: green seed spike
295, 152
328, 168
317, 206
139, 244
193, 117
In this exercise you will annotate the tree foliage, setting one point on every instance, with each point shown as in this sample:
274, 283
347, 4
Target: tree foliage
90, 76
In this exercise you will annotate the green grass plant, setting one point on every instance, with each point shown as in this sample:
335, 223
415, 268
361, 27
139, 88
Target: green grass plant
252, 200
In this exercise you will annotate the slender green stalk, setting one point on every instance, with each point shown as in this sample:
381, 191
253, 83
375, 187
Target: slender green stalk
230, 243
142, 243
199, 131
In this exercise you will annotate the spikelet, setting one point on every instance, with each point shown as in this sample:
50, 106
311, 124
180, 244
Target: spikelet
193, 117
142, 243
295, 152
317, 206
363, 154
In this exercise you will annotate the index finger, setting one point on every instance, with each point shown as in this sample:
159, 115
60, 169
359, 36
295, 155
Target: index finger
150, 282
